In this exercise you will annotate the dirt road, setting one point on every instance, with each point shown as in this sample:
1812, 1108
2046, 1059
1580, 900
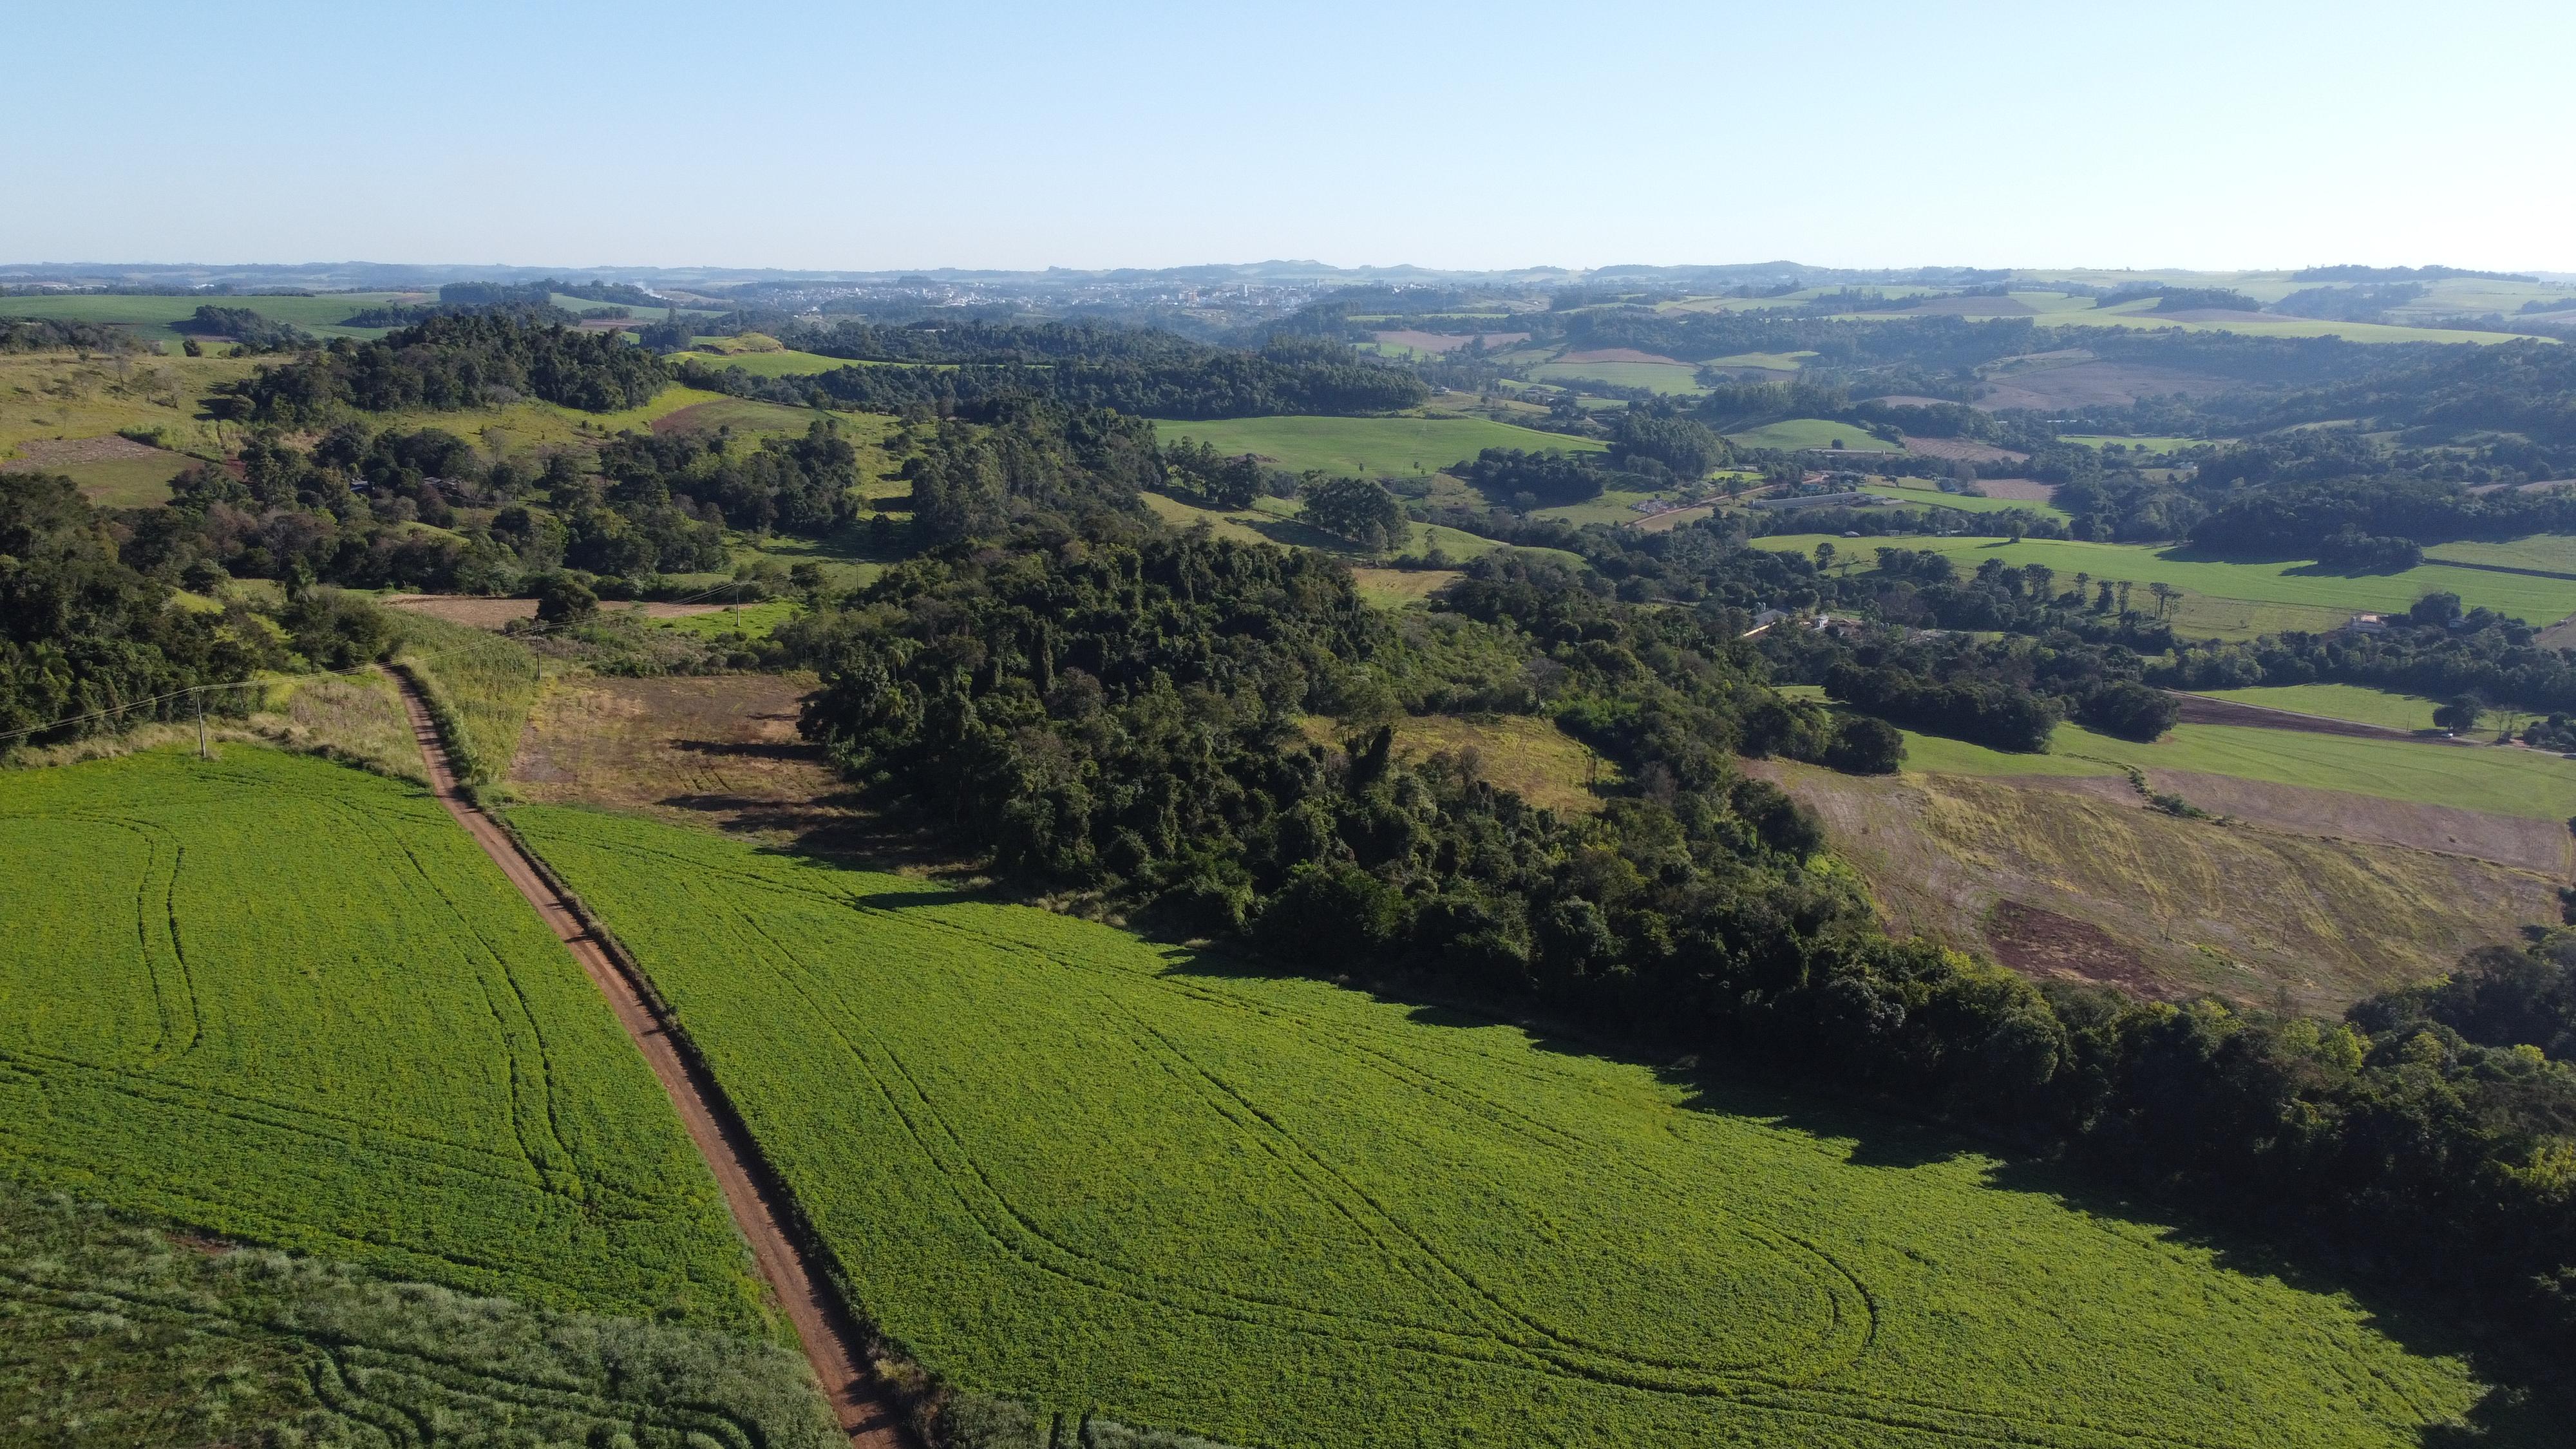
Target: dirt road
831, 1341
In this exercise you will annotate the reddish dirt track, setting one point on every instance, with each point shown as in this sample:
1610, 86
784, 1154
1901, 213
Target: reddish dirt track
831, 1341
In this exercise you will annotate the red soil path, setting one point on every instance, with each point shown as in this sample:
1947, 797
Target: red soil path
831, 1341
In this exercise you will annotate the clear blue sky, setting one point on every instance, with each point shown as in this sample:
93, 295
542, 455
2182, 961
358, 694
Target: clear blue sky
2246, 134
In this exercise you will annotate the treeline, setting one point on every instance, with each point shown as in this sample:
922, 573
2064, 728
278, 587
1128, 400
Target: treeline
451, 363
252, 330
44, 334
2435, 650
92, 644
345, 511
1182, 380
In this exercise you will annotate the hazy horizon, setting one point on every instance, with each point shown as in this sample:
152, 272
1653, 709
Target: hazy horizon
802, 137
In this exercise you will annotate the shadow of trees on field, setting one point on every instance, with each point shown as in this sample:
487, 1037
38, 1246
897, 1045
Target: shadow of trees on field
2530, 1399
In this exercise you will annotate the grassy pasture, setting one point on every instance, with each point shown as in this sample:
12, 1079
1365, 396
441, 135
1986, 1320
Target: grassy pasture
2539, 600
755, 621
1063, 1165
55, 395
2551, 552
1935, 498
124, 482
2337, 701
1273, 520
290, 1002
1770, 361
1367, 447
153, 318
768, 364
2521, 783
1793, 434
2148, 445
1662, 377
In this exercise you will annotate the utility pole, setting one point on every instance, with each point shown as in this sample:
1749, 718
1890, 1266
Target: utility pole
201, 723
737, 606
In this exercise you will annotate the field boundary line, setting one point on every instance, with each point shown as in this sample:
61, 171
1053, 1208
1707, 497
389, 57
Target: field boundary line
783, 1245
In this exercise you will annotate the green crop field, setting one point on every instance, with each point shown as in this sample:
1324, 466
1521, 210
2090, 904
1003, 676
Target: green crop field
1797, 433
1367, 446
2500, 781
2337, 701
2538, 600
1935, 498
1663, 377
1063, 1165
292, 1002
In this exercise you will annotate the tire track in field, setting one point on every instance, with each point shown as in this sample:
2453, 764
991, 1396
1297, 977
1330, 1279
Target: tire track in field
760, 1205
1756, 1390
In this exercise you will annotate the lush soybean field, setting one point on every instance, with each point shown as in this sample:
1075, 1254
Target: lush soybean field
1060, 1164
1367, 447
291, 1002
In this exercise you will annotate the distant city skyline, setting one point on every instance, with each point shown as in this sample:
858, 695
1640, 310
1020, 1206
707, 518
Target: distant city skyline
1487, 137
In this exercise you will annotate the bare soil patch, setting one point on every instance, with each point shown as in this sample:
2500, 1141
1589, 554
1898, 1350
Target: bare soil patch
1619, 354
1672, 518
41, 453
1911, 400
2533, 845
2019, 490
483, 613
2043, 944
2253, 913
2094, 384
2201, 709
1960, 450
714, 751
1449, 341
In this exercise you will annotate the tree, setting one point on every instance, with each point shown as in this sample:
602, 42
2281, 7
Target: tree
2131, 710
2165, 595
2435, 608
2462, 713
1824, 556
563, 599
1358, 510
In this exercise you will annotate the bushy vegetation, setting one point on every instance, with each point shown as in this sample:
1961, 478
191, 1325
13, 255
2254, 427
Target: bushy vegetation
1143, 372
85, 638
291, 1003
252, 330
44, 334
116, 1332
1065, 1167
453, 362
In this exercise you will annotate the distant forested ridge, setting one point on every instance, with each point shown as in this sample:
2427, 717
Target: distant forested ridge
1146, 373
451, 363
